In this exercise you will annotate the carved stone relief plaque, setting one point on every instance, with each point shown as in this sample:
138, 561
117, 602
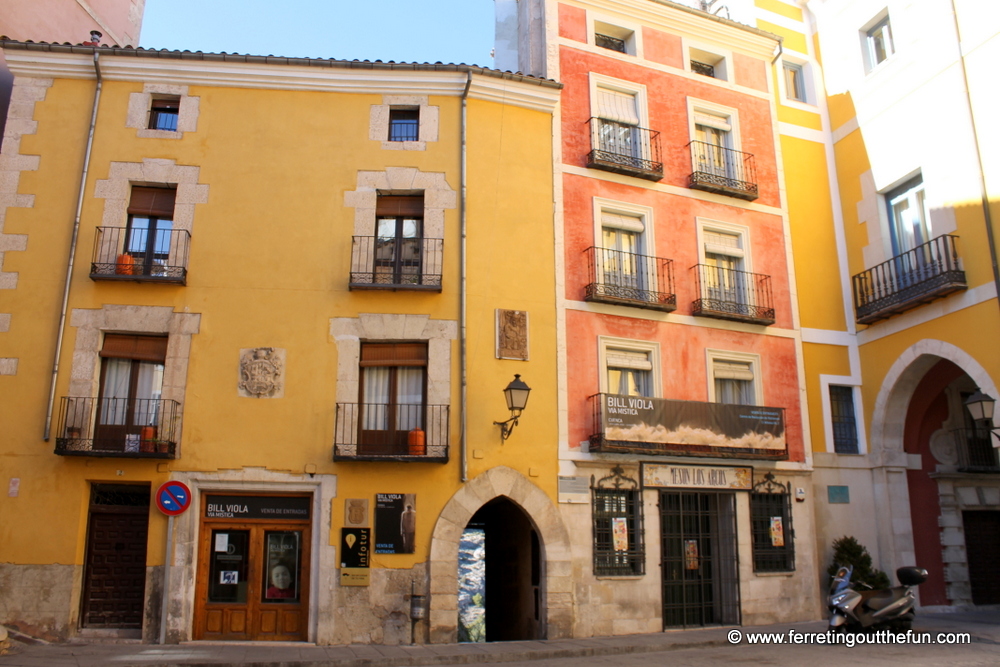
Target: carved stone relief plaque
262, 372
512, 334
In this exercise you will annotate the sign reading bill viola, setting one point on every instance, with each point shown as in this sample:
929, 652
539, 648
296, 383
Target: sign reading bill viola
258, 507
633, 423
670, 476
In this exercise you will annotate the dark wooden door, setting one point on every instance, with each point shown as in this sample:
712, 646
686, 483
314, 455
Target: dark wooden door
982, 544
115, 571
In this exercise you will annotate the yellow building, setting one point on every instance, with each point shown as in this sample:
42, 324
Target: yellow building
296, 289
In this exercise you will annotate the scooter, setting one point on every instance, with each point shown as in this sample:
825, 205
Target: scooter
853, 611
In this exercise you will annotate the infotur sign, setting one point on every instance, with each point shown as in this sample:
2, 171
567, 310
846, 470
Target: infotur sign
695, 427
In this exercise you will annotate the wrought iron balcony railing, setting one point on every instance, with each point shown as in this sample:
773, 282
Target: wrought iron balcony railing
928, 272
159, 256
630, 279
723, 171
391, 432
396, 263
641, 425
117, 427
624, 149
727, 294
975, 450
609, 42
703, 68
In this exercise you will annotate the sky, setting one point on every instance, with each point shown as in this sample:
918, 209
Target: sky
449, 31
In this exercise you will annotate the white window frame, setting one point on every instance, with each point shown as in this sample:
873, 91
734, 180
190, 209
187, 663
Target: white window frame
637, 90
754, 360
868, 40
651, 349
808, 89
708, 225
630, 32
714, 115
710, 54
842, 381
644, 214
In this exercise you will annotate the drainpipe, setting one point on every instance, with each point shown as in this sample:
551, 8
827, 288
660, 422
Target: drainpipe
72, 248
463, 357
984, 193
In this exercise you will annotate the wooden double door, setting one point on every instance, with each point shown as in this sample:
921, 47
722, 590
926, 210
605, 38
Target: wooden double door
253, 581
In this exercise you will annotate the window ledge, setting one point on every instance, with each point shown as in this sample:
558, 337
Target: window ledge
158, 134
790, 573
620, 577
404, 145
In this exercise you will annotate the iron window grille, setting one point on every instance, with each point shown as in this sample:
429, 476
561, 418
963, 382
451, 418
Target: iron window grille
723, 171
771, 526
730, 294
404, 125
974, 447
845, 426
617, 516
609, 42
703, 68
630, 278
624, 149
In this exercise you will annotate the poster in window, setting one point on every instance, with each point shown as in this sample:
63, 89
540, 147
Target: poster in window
690, 554
281, 576
777, 532
619, 533
395, 523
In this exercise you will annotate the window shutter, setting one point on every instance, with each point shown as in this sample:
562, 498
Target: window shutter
717, 122
399, 206
615, 105
628, 359
393, 354
731, 370
156, 202
720, 243
142, 348
618, 221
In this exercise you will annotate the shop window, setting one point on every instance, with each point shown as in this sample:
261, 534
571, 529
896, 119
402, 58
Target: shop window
392, 395
845, 427
771, 525
617, 517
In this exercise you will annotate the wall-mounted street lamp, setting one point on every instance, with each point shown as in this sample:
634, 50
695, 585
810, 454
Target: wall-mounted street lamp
980, 406
516, 394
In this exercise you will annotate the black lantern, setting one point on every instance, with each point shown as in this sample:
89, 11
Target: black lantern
980, 406
516, 395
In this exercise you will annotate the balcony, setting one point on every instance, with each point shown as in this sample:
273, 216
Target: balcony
394, 263
384, 432
928, 272
722, 171
629, 279
117, 427
624, 149
974, 447
122, 253
727, 294
634, 425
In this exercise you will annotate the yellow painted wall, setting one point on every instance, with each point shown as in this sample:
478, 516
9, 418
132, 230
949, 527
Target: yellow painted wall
821, 360
269, 266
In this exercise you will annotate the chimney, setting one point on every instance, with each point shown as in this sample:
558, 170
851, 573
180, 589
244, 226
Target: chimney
95, 38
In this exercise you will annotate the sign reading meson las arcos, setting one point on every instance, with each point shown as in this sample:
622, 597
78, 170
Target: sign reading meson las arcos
651, 425
676, 476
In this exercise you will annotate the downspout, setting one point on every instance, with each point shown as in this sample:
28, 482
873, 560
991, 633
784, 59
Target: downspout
984, 193
72, 249
463, 357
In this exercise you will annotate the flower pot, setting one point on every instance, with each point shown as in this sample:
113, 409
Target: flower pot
416, 442
125, 265
146, 435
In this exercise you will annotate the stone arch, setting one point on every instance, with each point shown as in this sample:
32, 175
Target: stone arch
496, 483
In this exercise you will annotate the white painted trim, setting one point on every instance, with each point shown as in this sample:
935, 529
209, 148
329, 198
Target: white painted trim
828, 337
633, 43
723, 66
845, 129
854, 382
804, 133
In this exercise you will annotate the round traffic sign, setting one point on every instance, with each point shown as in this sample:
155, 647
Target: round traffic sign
173, 498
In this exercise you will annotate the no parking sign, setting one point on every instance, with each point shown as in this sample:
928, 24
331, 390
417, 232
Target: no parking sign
173, 498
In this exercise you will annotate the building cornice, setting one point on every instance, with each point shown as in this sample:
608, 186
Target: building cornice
55, 61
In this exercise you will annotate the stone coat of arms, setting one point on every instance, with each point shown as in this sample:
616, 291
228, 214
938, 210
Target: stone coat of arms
261, 372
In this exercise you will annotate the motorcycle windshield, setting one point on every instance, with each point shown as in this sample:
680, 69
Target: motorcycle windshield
841, 580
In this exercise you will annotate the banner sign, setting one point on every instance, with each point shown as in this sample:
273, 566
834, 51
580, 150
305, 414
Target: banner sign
355, 556
296, 508
395, 523
671, 476
705, 429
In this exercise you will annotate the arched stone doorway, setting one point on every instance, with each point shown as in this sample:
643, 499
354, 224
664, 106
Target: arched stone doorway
932, 473
504, 496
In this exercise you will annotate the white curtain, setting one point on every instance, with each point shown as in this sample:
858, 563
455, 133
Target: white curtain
409, 398
147, 393
114, 399
376, 399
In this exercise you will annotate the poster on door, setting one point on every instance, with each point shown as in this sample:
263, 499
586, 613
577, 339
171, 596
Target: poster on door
281, 577
690, 554
395, 523
777, 532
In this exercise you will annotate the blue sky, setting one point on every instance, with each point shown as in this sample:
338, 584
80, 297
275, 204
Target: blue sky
450, 31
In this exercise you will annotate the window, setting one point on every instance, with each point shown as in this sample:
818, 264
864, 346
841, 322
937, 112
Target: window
131, 385
714, 138
148, 232
771, 524
629, 373
909, 223
795, 85
163, 112
398, 239
845, 427
404, 124
614, 38
392, 395
617, 516
619, 127
734, 378
622, 263
610, 43
708, 64
878, 42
